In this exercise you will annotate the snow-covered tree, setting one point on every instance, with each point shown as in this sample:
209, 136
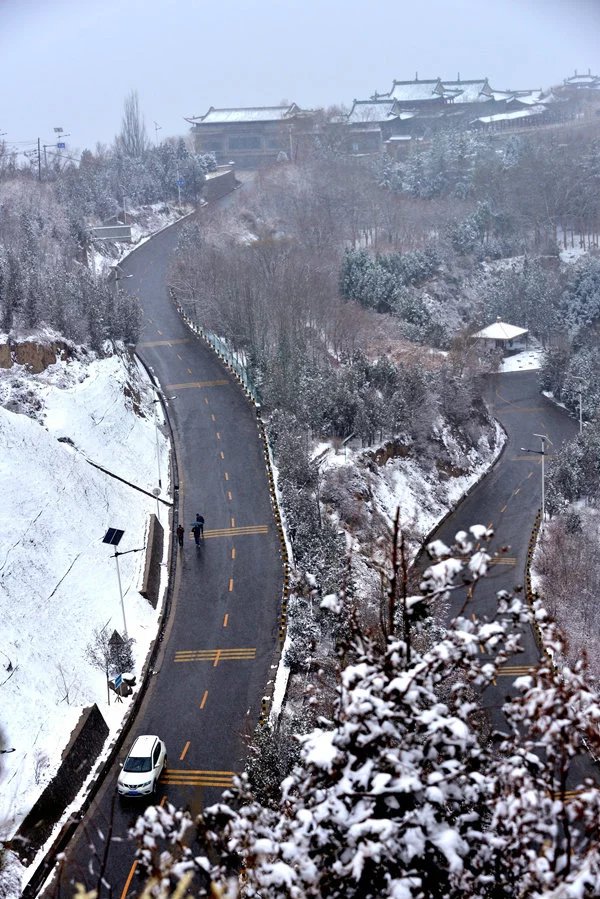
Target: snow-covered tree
398, 794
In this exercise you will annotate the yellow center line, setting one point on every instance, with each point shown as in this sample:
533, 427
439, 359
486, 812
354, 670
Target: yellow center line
179, 357
229, 496
184, 753
226, 619
192, 384
247, 531
189, 371
231, 585
206, 400
503, 509
226, 475
166, 342
188, 778
530, 475
233, 552
222, 454
204, 698
231, 654
129, 879
218, 436
518, 490
233, 522
159, 332
212, 416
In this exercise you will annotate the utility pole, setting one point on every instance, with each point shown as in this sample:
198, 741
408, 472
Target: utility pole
39, 152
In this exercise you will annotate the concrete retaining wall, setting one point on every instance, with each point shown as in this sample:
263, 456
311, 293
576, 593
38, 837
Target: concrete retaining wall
154, 553
219, 184
78, 757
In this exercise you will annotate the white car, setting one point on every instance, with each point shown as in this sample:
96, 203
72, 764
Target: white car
142, 767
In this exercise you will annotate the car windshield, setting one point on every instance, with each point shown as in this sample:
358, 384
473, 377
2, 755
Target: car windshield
137, 764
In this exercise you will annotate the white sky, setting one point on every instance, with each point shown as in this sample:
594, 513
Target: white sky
71, 63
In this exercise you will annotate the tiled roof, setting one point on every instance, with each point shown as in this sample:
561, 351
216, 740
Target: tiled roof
500, 331
370, 111
247, 114
413, 91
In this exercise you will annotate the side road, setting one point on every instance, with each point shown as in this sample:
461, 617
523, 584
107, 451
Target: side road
219, 643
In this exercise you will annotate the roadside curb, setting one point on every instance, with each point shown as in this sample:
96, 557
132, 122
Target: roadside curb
45, 868
282, 601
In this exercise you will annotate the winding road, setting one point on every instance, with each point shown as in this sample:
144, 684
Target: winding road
219, 645
220, 641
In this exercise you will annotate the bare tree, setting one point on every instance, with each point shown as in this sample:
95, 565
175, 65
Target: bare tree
132, 140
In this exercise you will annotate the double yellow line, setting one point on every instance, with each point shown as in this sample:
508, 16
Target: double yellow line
187, 778
245, 653
237, 532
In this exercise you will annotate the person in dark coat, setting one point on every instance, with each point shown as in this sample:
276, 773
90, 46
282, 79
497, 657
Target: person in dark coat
200, 521
180, 533
196, 531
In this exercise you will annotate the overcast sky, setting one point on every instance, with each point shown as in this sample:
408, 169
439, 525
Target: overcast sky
70, 63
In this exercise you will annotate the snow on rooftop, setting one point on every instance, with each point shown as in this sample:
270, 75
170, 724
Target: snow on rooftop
510, 116
467, 91
372, 111
409, 91
500, 331
249, 114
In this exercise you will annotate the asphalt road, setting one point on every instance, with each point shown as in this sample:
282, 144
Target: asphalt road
508, 499
219, 645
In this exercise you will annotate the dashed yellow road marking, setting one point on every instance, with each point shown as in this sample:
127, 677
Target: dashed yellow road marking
188, 778
195, 384
229, 496
244, 653
233, 523
190, 372
204, 698
518, 490
233, 552
206, 400
226, 475
226, 619
503, 509
530, 475
231, 585
184, 753
159, 332
179, 357
222, 454
218, 436
213, 416
129, 879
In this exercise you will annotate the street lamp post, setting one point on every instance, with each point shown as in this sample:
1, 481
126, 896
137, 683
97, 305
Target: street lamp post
582, 381
119, 276
113, 538
541, 452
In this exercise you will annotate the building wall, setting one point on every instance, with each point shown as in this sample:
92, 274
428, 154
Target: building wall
247, 144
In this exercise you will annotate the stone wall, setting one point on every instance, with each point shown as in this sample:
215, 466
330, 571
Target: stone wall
78, 757
219, 184
154, 553
36, 356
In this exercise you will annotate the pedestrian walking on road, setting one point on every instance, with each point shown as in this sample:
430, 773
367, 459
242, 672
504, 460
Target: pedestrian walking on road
180, 534
196, 531
200, 521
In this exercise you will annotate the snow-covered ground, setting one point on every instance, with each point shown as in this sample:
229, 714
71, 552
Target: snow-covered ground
145, 222
58, 581
528, 360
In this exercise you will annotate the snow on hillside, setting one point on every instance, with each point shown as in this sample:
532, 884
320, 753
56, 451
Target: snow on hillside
58, 581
